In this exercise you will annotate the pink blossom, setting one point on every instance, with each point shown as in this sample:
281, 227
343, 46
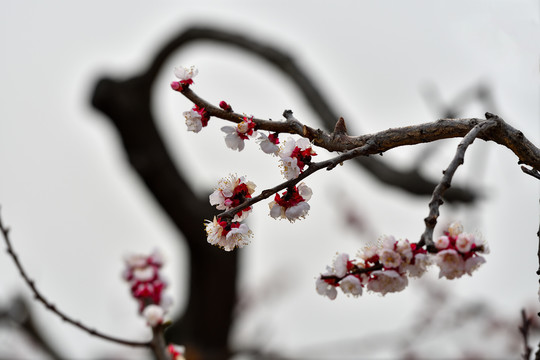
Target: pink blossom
442, 242
464, 242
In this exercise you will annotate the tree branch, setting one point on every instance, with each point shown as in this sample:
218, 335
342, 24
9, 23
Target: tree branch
445, 183
411, 181
39, 297
503, 134
313, 167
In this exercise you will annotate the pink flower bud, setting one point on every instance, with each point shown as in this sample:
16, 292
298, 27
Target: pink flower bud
225, 106
176, 86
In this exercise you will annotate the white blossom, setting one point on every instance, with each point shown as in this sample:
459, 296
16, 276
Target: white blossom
464, 242
387, 281
223, 195
289, 162
340, 264
473, 263
232, 139
403, 247
421, 263
325, 289
292, 210
266, 145
153, 314
351, 285
455, 228
193, 121
389, 258
450, 263
387, 242
186, 73
236, 237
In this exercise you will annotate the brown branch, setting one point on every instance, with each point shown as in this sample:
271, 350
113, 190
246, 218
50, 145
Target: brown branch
445, 183
39, 297
408, 180
205, 323
533, 172
158, 345
313, 167
503, 134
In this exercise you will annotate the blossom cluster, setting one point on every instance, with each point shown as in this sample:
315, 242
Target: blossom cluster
231, 192
147, 285
385, 267
458, 252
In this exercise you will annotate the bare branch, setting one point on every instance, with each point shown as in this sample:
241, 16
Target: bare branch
533, 172
408, 180
445, 183
39, 297
313, 167
502, 134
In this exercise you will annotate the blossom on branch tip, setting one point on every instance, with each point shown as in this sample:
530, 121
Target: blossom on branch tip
231, 192
458, 252
153, 315
227, 235
185, 74
269, 144
237, 134
295, 155
291, 205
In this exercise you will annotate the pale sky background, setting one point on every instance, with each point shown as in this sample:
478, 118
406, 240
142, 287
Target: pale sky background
75, 207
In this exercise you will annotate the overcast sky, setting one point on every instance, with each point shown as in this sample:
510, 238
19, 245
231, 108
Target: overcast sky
76, 208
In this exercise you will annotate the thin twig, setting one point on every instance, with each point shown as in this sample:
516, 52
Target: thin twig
445, 183
39, 297
533, 172
524, 329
